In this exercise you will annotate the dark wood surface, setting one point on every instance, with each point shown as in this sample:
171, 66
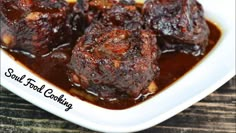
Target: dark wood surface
214, 114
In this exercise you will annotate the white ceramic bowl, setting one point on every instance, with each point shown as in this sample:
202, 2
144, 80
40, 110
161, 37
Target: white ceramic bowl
212, 72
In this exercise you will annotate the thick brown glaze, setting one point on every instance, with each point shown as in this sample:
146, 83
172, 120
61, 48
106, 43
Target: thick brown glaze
53, 68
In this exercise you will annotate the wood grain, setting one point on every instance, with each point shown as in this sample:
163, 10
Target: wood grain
214, 114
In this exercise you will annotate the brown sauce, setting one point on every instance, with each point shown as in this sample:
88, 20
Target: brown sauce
173, 66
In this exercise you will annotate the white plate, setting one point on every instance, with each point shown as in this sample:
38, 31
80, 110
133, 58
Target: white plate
212, 72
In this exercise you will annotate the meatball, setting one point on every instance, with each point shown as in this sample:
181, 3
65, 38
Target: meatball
34, 26
179, 24
111, 60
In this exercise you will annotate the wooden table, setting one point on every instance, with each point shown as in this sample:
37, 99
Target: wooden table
214, 114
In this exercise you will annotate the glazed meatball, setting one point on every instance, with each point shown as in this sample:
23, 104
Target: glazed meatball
179, 24
111, 60
34, 26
